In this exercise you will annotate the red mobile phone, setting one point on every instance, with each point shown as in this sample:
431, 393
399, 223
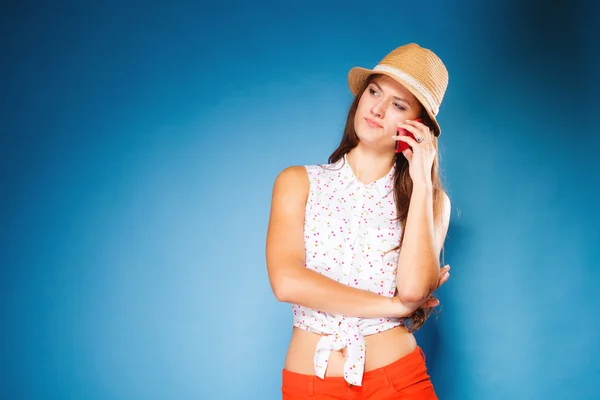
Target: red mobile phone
400, 145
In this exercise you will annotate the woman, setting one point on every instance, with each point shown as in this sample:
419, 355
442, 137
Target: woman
354, 245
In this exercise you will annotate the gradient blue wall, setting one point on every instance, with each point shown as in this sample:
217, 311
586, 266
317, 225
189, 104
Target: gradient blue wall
140, 143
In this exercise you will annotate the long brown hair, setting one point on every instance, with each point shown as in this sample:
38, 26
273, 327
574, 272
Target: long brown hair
402, 185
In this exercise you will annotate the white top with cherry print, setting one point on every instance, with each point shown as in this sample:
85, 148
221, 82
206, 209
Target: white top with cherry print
349, 233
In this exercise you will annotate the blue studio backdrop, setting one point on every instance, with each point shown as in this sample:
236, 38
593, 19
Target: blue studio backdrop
140, 143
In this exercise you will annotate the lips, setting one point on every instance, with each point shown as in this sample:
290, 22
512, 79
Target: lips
372, 123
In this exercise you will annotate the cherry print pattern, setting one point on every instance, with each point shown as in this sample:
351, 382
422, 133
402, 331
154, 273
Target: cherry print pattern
349, 236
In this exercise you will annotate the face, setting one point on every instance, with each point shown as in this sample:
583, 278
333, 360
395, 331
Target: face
382, 105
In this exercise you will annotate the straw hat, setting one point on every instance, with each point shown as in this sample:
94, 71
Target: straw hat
416, 68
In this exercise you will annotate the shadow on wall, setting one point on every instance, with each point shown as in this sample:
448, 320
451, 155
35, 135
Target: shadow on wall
539, 50
536, 57
431, 336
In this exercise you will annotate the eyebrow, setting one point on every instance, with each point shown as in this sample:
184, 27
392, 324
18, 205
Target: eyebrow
396, 97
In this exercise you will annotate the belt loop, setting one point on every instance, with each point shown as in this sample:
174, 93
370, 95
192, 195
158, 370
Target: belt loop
311, 386
386, 378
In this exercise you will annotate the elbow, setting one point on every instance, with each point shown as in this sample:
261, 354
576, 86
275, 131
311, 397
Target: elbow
413, 296
417, 289
414, 293
281, 288
285, 281
280, 293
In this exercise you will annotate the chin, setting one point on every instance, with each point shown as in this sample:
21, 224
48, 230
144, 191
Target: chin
367, 134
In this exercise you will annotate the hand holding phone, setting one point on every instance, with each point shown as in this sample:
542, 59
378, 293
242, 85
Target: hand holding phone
400, 145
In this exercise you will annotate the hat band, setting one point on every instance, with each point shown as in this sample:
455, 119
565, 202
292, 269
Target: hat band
411, 81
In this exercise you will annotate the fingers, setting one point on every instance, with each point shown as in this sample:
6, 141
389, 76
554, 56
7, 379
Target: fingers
445, 272
431, 303
418, 129
412, 142
444, 279
421, 127
444, 276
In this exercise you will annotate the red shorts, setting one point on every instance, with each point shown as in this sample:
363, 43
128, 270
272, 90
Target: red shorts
405, 378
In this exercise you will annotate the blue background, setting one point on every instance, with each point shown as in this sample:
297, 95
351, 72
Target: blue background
140, 142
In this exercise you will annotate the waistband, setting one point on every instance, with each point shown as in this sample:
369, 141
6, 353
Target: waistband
311, 384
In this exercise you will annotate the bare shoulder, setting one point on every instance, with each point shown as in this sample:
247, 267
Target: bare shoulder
292, 181
447, 205
295, 174
446, 210
443, 221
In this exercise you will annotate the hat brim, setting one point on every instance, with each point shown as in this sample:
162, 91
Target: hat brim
357, 77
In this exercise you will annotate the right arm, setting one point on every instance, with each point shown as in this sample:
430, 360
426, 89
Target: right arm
291, 281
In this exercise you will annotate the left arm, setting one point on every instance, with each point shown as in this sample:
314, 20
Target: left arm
418, 263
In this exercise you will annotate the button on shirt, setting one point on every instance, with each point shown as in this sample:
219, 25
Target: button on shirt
350, 233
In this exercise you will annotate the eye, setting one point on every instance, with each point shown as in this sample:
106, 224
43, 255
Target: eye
372, 91
400, 107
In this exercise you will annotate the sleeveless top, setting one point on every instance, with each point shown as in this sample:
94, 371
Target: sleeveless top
349, 233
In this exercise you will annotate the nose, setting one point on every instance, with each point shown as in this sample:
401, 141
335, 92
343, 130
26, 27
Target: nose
378, 109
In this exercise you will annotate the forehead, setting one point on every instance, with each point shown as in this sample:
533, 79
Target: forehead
393, 86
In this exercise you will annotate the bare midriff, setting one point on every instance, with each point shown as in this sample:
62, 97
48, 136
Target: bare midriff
381, 349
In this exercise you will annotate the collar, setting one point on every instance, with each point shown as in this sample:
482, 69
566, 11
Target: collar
348, 180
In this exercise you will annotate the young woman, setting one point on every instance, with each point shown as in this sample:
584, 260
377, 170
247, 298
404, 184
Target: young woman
354, 245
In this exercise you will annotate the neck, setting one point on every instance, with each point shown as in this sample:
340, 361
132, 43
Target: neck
369, 166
